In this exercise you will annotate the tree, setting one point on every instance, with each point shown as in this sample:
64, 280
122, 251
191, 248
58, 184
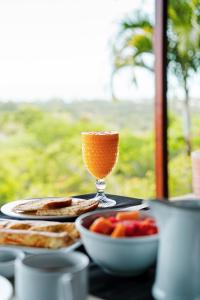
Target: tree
133, 48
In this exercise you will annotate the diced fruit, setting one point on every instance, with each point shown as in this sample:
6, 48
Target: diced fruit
131, 215
119, 231
152, 230
149, 221
112, 219
102, 225
125, 224
144, 227
131, 228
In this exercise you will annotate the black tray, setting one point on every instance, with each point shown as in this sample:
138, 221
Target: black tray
121, 202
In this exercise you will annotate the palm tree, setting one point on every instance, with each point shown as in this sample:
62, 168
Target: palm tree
134, 44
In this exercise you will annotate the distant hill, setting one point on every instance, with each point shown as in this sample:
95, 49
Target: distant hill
116, 115
136, 116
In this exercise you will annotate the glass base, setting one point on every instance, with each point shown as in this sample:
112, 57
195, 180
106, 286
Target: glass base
104, 201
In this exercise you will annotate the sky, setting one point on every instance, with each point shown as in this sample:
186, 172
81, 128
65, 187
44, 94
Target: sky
62, 48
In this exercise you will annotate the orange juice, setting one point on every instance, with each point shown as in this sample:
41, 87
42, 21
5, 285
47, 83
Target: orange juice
100, 152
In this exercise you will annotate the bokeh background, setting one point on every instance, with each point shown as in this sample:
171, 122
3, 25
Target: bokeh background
72, 66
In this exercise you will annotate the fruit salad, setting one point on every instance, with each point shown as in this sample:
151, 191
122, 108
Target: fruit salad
125, 224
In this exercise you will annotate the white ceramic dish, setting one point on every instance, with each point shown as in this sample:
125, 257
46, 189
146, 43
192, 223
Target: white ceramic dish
7, 209
7, 261
120, 256
34, 250
6, 289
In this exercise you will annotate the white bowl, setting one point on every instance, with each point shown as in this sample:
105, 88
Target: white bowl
120, 256
7, 261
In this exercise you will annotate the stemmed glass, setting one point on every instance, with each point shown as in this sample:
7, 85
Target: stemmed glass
100, 151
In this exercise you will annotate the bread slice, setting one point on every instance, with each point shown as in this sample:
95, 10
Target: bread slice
27, 224
3, 223
44, 234
44, 226
47, 203
77, 208
35, 239
70, 228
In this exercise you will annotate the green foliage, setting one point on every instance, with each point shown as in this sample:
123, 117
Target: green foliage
41, 156
184, 38
133, 42
180, 175
135, 37
133, 48
176, 140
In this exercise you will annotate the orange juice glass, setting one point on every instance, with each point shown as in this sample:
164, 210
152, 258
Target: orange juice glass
100, 151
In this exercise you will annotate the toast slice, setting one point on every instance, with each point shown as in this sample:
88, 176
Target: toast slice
25, 225
40, 239
3, 223
77, 208
48, 203
43, 234
70, 228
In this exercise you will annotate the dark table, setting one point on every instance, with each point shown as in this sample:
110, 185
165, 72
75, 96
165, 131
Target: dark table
110, 287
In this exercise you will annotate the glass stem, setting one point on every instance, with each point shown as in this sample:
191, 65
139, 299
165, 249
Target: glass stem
100, 186
101, 197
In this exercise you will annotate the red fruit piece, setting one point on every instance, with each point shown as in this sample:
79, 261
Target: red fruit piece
101, 225
149, 220
134, 229
119, 231
112, 219
129, 215
129, 227
152, 230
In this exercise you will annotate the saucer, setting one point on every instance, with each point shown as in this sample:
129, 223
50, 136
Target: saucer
5, 288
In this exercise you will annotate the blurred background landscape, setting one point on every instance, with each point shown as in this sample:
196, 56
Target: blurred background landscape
69, 67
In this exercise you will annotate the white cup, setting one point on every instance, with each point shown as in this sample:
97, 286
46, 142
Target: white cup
52, 277
7, 261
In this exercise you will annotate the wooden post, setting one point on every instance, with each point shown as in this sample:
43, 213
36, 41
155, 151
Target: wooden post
161, 151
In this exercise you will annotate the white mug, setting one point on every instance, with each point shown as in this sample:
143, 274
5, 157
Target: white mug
52, 277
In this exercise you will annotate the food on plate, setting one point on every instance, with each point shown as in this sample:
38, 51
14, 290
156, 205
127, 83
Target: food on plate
125, 224
56, 207
3, 224
42, 234
62, 227
48, 203
34, 238
77, 207
58, 203
18, 226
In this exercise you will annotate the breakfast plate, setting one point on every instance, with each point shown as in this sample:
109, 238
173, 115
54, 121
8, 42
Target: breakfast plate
36, 237
35, 250
8, 209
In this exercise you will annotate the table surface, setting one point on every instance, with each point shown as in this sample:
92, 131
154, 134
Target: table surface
107, 287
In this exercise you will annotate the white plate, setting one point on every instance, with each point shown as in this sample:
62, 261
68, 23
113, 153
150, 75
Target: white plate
34, 250
6, 289
7, 209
